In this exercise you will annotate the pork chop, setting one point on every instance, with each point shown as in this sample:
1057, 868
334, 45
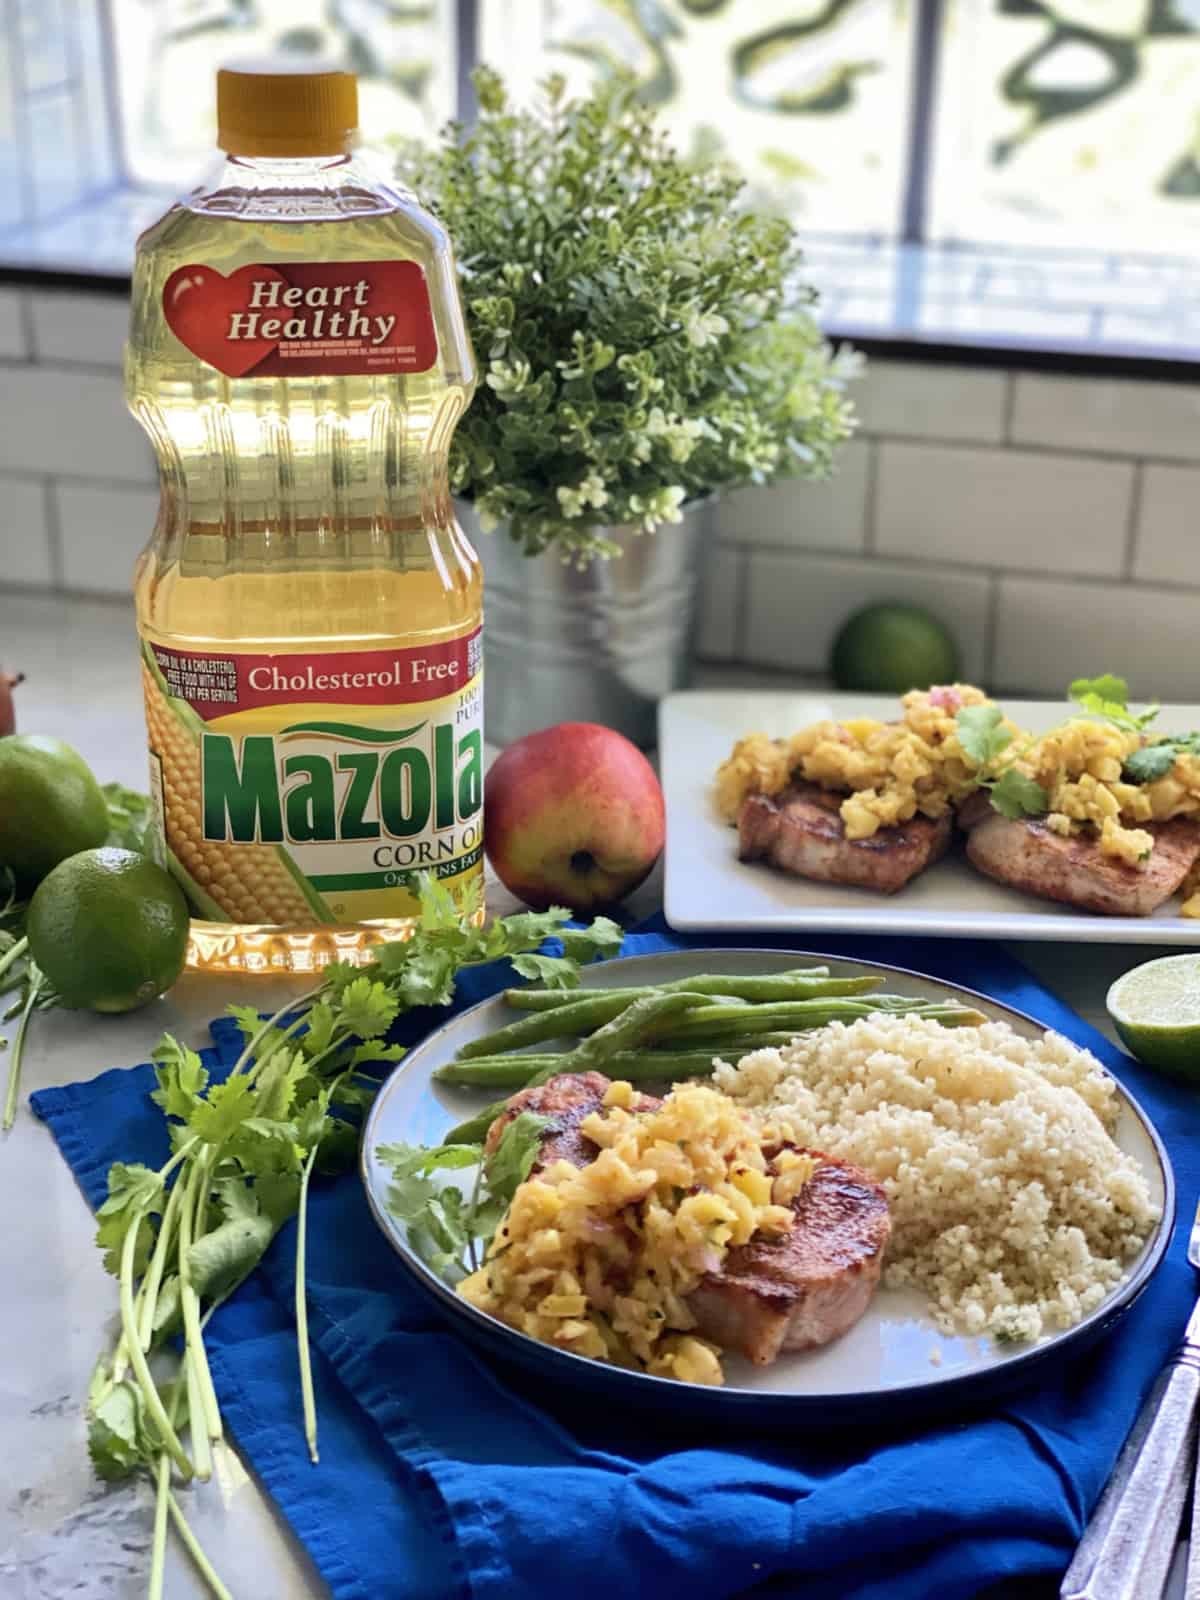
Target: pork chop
800, 831
568, 1099
791, 1293
1071, 868
811, 1284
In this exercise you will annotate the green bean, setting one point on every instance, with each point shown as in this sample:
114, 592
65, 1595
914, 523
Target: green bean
474, 1129
634, 1024
580, 1017
779, 986
515, 1071
705, 1021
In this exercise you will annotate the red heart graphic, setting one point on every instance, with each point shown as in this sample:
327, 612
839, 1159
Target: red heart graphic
199, 302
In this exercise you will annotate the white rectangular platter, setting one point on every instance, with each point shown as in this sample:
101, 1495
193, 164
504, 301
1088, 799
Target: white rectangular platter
706, 886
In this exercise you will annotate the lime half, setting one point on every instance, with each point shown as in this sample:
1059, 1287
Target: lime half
1156, 1010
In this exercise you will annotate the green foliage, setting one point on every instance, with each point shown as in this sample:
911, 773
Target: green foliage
643, 337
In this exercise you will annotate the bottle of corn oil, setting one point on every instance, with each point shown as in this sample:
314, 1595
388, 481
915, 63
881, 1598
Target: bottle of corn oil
310, 613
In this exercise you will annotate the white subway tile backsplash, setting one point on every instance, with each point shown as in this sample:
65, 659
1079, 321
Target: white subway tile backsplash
825, 515
12, 325
88, 328
797, 603
1050, 632
70, 424
1107, 414
719, 603
102, 530
1003, 508
24, 536
933, 402
1168, 536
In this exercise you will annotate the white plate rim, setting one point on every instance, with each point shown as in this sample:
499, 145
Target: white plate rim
938, 1390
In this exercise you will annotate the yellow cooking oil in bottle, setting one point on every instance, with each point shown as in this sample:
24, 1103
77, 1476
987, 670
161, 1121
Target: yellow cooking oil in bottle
309, 611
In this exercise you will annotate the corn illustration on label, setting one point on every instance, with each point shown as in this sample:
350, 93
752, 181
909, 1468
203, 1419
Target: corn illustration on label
296, 788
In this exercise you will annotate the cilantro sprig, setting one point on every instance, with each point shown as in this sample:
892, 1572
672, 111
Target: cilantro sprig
984, 739
448, 1231
182, 1238
1107, 697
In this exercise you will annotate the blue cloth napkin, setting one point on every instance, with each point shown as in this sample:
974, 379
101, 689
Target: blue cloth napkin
438, 1478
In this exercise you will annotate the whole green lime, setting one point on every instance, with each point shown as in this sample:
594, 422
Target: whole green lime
890, 649
50, 805
109, 928
1156, 1010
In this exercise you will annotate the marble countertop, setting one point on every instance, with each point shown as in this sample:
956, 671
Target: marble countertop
61, 1532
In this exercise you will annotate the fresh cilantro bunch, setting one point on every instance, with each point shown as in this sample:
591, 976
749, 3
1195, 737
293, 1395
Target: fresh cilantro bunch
644, 338
182, 1238
984, 739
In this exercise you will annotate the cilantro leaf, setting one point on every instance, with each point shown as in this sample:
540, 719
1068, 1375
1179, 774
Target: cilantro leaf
119, 1438
438, 1234
600, 939
222, 1257
1014, 795
128, 816
371, 1051
278, 1195
132, 1191
433, 1216
368, 1008
248, 1019
981, 733
1108, 696
1107, 689
337, 1151
984, 739
277, 1082
227, 1105
510, 1162
320, 1029
552, 972
235, 1198
181, 1075
1151, 762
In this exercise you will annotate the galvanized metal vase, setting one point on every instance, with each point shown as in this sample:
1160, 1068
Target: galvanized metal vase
601, 644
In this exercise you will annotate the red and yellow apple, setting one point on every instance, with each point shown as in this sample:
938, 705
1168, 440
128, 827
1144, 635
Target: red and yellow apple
573, 816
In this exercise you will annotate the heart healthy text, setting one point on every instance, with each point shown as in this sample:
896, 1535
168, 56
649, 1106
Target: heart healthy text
269, 294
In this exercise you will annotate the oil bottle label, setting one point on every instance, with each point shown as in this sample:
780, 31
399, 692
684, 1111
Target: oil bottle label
298, 318
300, 788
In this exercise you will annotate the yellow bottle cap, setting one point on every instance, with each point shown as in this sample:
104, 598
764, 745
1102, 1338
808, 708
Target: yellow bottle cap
280, 109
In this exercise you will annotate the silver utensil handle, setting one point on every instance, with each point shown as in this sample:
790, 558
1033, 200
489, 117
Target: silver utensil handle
1191, 1580
1127, 1547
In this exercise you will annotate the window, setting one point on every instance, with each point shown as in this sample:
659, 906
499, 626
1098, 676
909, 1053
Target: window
987, 171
